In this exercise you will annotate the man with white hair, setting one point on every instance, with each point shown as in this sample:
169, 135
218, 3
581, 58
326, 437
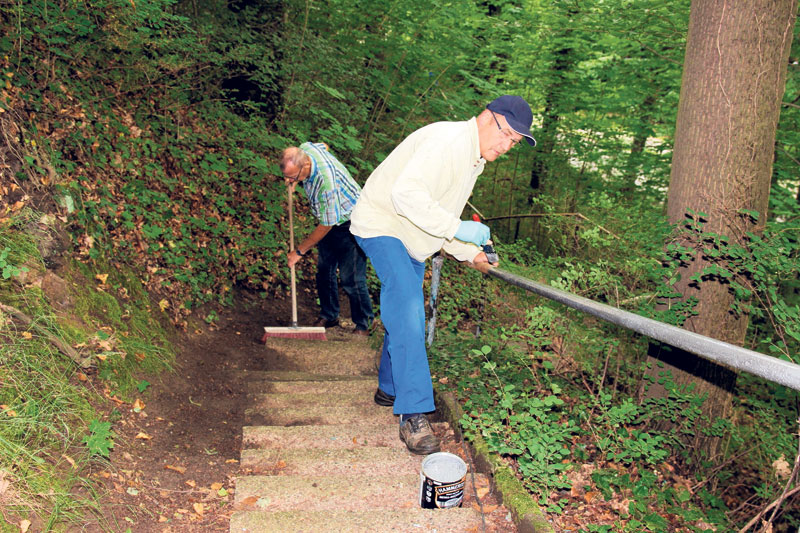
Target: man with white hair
332, 193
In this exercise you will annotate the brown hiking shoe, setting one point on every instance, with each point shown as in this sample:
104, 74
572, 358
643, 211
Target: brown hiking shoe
418, 435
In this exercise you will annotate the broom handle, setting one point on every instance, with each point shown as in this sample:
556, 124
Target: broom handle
291, 249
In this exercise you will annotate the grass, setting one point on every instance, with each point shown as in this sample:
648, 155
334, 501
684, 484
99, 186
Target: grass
46, 401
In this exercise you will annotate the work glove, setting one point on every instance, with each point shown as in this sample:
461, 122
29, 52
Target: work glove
474, 232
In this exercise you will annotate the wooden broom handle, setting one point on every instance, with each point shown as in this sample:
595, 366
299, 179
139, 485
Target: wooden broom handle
291, 249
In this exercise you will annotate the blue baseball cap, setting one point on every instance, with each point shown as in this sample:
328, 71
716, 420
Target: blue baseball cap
517, 113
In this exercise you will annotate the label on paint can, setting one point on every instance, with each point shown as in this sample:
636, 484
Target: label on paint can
442, 481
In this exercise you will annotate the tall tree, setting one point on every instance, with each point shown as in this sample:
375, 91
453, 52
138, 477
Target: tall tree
733, 83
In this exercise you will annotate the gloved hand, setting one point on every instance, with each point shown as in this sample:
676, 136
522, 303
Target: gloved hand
474, 232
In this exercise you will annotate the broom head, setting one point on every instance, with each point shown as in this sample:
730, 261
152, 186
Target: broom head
294, 332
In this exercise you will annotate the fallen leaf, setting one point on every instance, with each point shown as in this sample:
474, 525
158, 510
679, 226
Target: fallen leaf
105, 345
192, 483
489, 508
782, 469
249, 501
163, 304
482, 492
179, 469
115, 399
162, 518
138, 405
82, 376
216, 486
143, 435
26, 335
69, 459
8, 411
24, 525
101, 278
198, 508
590, 495
232, 461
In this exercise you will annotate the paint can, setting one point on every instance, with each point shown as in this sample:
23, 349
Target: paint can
442, 481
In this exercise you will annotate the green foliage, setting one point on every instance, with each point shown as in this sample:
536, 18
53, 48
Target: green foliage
100, 440
125, 333
760, 271
162, 120
557, 394
47, 410
9, 269
527, 428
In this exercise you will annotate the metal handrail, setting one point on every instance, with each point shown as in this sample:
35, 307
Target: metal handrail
758, 364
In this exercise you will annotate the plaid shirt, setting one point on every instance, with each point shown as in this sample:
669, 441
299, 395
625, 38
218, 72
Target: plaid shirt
331, 190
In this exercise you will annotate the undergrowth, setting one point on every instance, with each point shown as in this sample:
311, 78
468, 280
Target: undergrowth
557, 393
51, 409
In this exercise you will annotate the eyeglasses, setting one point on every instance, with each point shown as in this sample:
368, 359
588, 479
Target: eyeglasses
295, 178
506, 133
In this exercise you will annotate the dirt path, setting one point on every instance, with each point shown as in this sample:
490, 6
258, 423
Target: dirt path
174, 462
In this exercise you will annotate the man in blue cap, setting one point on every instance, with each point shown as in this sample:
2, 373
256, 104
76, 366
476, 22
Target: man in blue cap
409, 209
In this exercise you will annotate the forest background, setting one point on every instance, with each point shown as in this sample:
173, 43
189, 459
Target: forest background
149, 131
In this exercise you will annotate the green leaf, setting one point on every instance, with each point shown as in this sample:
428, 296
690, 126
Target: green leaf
330, 90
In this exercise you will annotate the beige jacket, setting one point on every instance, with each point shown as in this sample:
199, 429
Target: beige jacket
418, 192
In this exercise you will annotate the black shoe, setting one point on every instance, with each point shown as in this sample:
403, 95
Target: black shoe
325, 323
418, 435
381, 398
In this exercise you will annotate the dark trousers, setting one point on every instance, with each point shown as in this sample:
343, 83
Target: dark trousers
338, 250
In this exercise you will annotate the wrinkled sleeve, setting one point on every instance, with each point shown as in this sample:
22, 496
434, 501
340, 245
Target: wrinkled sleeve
428, 173
461, 250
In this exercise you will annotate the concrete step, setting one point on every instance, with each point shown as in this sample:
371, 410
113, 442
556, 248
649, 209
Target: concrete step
326, 437
350, 356
319, 415
348, 398
330, 493
411, 520
363, 461
366, 386
331, 437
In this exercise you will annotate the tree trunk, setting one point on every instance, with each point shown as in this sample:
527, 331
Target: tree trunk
733, 83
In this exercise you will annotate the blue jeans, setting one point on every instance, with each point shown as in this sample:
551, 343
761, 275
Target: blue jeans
338, 250
404, 371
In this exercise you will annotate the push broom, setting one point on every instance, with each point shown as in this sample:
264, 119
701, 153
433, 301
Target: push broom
294, 331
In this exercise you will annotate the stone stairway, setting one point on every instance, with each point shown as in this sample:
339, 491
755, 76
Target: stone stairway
319, 455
